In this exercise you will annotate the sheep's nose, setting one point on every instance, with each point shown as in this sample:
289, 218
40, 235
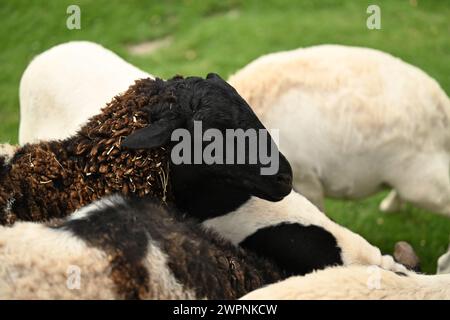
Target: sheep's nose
284, 178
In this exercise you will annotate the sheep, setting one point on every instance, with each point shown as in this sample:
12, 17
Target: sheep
77, 75
353, 120
444, 263
119, 151
136, 248
356, 283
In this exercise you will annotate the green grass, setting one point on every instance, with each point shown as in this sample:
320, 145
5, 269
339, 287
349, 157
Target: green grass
222, 36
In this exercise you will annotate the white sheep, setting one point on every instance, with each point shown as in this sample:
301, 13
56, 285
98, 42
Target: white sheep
66, 85
356, 283
32, 266
352, 120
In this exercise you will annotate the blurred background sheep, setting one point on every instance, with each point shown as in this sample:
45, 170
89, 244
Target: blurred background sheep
190, 37
353, 120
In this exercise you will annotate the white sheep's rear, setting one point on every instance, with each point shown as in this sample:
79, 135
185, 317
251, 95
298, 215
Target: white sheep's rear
352, 120
66, 85
356, 283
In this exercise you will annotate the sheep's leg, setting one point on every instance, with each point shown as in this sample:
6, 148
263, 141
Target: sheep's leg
444, 263
309, 185
357, 250
392, 203
428, 188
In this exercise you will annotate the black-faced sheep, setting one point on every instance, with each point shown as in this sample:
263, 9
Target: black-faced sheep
346, 127
125, 149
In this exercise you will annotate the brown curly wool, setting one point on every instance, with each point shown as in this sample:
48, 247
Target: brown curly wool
52, 179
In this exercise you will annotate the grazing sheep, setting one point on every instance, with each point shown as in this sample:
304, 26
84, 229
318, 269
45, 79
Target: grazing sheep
139, 249
356, 283
353, 120
444, 263
52, 179
66, 85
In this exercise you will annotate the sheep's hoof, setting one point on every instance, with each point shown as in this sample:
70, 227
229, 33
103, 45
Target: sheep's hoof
405, 254
392, 203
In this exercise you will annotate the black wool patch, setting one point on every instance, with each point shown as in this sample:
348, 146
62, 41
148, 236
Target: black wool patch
116, 230
198, 259
295, 248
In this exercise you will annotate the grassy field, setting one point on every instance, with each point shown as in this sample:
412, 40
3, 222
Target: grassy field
222, 36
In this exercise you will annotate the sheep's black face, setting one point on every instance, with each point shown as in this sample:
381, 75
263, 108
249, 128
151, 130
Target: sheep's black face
215, 136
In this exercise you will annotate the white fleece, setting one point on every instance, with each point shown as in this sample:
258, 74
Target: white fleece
66, 85
356, 283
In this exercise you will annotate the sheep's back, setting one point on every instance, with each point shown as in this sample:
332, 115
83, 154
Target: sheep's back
350, 94
52, 179
356, 283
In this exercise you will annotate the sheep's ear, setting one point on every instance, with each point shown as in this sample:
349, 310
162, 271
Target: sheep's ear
154, 135
213, 76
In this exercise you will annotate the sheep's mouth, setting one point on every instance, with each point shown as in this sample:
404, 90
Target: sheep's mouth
271, 198
274, 197
273, 190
